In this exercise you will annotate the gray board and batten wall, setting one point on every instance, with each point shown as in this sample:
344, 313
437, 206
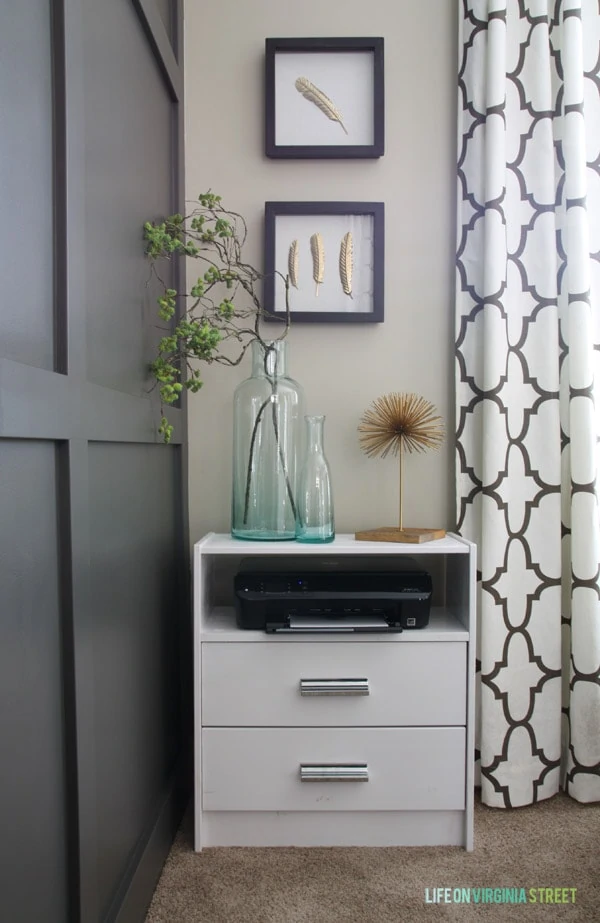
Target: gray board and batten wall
95, 723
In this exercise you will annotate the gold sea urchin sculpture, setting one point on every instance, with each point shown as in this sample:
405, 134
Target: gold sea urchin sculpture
396, 423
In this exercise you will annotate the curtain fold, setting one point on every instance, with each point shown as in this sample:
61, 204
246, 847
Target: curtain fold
527, 373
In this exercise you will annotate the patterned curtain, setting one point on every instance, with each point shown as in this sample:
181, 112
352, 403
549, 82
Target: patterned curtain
527, 348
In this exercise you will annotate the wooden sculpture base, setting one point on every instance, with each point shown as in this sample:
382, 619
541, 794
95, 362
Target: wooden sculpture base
393, 534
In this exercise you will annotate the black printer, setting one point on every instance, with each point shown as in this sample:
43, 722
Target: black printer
297, 595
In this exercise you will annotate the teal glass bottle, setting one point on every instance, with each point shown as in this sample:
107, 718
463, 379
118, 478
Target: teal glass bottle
268, 410
314, 521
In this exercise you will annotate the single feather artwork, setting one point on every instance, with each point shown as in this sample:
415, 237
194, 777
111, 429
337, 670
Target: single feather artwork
316, 96
346, 263
318, 257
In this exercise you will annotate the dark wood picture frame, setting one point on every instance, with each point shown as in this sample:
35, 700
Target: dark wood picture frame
323, 46
372, 259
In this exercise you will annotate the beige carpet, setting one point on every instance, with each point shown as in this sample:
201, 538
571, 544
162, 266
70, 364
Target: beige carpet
555, 844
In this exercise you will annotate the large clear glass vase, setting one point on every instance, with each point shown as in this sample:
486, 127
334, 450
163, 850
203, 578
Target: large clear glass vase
314, 498
268, 410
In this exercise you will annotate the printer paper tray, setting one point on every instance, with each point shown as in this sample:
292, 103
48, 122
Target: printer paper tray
363, 623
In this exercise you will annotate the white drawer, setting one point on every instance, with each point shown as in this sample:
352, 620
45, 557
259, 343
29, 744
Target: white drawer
259, 769
260, 684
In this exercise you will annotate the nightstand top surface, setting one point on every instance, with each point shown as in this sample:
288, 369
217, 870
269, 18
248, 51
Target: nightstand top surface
221, 543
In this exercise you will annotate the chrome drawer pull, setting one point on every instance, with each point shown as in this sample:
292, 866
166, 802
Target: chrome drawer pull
333, 772
334, 686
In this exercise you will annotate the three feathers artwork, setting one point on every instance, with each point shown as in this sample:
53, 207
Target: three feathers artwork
317, 252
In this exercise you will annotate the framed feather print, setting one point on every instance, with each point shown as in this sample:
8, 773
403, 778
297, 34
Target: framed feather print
332, 254
324, 97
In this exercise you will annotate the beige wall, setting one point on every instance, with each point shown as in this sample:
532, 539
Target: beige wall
343, 368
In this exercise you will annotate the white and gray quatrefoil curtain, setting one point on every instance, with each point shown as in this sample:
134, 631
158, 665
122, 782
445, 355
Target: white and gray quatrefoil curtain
528, 387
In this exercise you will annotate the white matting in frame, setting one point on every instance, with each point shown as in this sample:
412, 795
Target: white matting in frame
327, 296
346, 79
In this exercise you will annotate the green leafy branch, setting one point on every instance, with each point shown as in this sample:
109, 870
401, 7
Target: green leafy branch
222, 304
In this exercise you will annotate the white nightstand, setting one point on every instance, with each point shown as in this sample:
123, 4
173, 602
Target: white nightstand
402, 747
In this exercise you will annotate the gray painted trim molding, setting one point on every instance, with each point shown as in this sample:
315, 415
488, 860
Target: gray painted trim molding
133, 897
115, 417
161, 44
